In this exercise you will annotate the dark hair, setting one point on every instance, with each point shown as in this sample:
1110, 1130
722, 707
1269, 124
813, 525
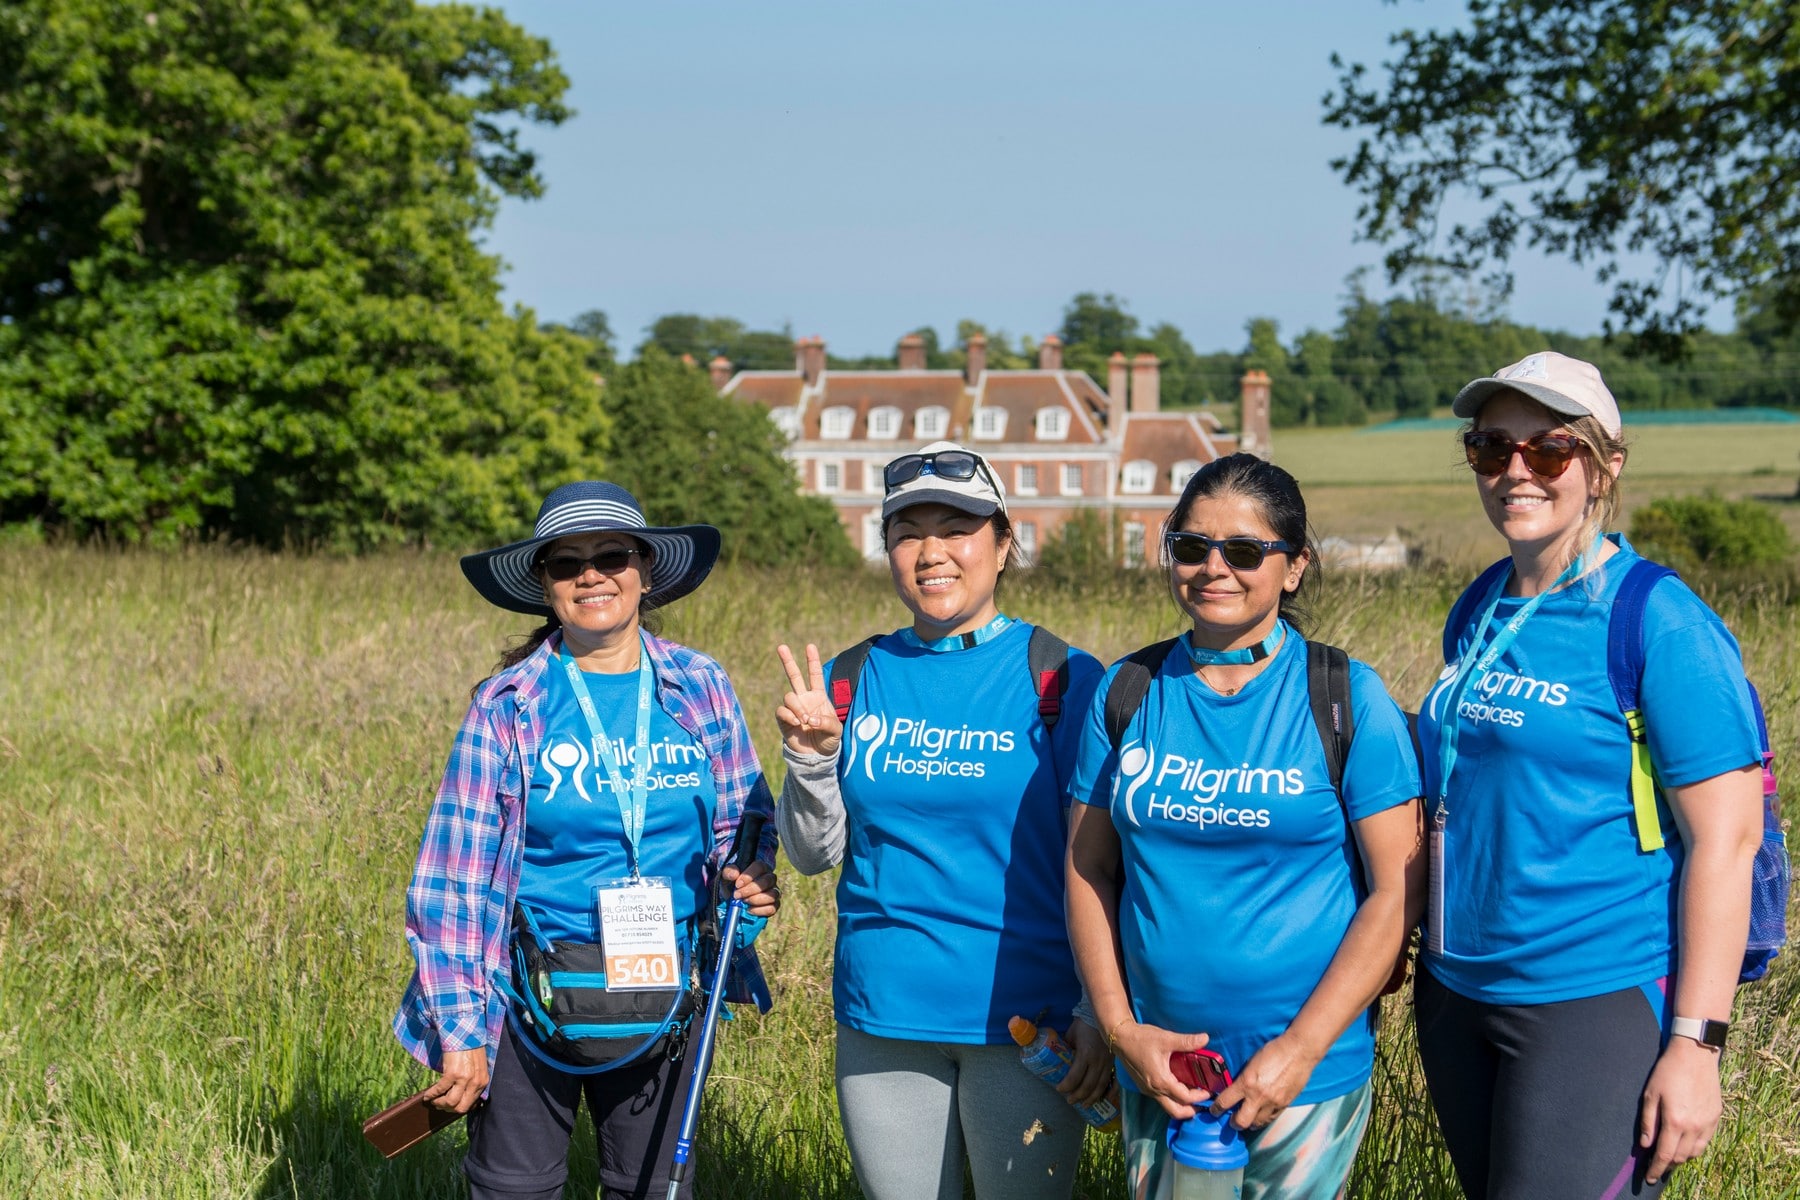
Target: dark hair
524, 647
1277, 497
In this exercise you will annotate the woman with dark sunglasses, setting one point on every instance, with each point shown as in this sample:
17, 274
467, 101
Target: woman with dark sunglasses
597, 784
1223, 894
1578, 972
933, 777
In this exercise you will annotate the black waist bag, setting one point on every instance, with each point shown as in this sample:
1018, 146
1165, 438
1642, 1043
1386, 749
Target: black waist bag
565, 1012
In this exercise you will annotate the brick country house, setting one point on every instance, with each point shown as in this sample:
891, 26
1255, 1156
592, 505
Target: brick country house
1060, 444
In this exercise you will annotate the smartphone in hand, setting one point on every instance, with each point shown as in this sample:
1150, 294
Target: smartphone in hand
1203, 1069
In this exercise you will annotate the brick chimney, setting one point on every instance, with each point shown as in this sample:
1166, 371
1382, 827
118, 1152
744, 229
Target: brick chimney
1146, 384
1253, 413
1116, 373
809, 358
912, 353
977, 358
720, 370
1050, 353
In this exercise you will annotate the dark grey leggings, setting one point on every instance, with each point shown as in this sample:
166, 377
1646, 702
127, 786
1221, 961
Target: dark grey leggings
1540, 1101
519, 1139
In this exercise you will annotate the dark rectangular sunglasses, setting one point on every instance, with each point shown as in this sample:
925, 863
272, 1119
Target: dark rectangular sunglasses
1547, 454
564, 567
948, 464
1240, 553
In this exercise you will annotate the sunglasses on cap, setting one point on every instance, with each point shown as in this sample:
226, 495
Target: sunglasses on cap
955, 465
565, 566
1547, 454
1240, 553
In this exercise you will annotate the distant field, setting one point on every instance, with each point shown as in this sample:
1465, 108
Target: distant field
1363, 483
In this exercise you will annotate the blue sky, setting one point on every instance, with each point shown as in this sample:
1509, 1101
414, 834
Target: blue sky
858, 170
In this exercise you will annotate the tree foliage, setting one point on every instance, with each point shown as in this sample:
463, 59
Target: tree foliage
239, 287
689, 454
1694, 531
706, 338
1665, 129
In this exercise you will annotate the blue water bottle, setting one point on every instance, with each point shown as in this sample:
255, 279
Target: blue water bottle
1208, 1158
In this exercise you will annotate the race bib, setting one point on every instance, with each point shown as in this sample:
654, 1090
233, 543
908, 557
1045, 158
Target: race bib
637, 934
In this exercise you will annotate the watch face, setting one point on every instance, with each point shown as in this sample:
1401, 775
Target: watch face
1712, 1033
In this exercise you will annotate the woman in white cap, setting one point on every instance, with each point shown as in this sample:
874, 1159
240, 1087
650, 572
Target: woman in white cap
589, 803
944, 802
1582, 948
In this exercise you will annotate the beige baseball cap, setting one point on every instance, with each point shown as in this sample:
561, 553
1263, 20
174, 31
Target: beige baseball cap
1561, 384
964, 481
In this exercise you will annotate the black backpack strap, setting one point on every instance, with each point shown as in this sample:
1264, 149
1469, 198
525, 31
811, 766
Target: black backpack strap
846, 670
1463, 611
1328, 689
1130, 684
1048, 657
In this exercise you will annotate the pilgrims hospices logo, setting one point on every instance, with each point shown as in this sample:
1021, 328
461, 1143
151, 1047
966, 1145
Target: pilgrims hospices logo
880, 744
1171, 787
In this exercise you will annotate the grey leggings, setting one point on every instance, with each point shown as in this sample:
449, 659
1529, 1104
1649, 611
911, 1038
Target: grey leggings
911, 1110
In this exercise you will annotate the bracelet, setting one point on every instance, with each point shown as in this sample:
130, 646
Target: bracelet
1112, 1035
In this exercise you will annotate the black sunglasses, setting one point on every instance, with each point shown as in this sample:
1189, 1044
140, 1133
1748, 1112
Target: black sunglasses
1547, 454
1240, 553
945, 464
564, 567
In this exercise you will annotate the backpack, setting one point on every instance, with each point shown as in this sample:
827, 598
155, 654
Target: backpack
1327, 690
1770, 875
1047, 657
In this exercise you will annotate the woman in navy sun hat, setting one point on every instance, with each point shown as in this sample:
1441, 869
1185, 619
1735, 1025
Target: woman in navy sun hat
598, 759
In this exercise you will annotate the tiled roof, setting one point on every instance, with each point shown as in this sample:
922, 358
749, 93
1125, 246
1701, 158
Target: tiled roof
863, 391
771, 389
1166, 438
1022, 393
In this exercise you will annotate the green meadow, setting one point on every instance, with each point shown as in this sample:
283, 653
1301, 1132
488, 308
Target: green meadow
215, 766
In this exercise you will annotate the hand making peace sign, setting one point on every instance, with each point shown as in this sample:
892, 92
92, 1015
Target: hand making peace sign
809, 722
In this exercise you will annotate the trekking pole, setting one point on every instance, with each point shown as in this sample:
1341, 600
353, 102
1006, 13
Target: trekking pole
749, 835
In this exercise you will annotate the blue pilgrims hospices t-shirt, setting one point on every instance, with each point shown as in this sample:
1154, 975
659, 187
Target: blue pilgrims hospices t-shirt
574, 833
950, 906
1547, 895
1238, 884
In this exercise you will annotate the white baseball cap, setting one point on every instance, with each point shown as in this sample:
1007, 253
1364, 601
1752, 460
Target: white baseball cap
965, 481
1561, 384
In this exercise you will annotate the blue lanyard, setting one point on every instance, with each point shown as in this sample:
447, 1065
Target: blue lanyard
1204, 657
960, 641
1478, 665
632, 803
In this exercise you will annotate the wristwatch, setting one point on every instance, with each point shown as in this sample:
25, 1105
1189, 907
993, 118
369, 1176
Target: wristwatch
1704, 1030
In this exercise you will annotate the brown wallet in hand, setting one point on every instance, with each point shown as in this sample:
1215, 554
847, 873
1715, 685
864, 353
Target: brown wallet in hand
406, 1124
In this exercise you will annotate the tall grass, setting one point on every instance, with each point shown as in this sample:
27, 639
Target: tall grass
214, 768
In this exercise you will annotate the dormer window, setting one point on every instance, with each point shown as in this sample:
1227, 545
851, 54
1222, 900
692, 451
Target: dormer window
930, 424
836, 422
884, 424
787, 419
1181, 472
990, 424
1052, 423
1139, 477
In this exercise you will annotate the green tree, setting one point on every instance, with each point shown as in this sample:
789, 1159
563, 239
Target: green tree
239, 286
1664, 128
1098, 323
595, 329
1693, 531
1287, 400
689, 454
705, 338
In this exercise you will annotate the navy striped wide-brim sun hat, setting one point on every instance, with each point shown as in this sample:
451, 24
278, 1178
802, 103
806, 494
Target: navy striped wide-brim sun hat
681, 556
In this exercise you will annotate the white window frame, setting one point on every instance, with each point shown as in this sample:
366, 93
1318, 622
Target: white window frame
871, 529
931, 423
837, 422
1133, 550
1026, 533
1138, 477
873, 484
884, 423
787, 419
1053, 423
1025, 479
990, 423
1181, 472
820, 467
1072, 472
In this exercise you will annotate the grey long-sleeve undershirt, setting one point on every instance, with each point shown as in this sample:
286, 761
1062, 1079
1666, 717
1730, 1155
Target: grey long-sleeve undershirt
811, 814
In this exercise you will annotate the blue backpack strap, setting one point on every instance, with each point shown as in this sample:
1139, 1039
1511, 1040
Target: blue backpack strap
1463, 611
1048, 657
846, 671
1625, 671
